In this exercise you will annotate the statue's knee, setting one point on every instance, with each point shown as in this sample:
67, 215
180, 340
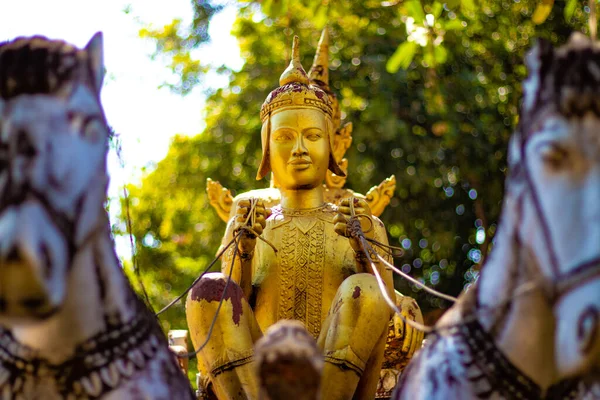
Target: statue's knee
364, 291
208, 292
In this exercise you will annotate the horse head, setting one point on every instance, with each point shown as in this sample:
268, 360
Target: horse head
53, 143
554, 159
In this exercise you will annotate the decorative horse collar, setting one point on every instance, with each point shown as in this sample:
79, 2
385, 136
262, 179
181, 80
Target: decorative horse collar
98, 366
491, 371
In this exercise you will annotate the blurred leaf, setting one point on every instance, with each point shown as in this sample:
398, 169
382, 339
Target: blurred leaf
441, 54
453, 24
436, 9
468, 6
275, 8
320, 18
542, 11
452, 4
414, 9
402, 57
570, 9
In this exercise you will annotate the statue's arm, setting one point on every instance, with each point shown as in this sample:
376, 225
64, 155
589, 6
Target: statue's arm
248, 222
240, 265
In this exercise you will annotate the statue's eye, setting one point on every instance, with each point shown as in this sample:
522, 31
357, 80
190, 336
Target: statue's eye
283, 136
313, 136
554, 155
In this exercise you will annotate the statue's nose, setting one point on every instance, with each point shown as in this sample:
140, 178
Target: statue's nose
299, 148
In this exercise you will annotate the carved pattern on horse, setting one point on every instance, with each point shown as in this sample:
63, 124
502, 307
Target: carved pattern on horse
72, 326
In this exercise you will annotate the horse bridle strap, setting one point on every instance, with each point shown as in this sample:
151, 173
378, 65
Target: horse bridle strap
560, 283
98, 366
577, 277
501, 374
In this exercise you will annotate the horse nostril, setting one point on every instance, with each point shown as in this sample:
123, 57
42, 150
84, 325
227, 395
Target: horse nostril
32, 303
587, 327
2, 304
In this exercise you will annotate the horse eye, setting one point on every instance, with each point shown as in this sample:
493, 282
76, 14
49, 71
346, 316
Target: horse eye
93, 129
554, 155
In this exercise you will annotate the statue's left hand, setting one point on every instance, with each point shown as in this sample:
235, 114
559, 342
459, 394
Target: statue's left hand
361, 209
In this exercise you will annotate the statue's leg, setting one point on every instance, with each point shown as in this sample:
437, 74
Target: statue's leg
228, 356
353, 339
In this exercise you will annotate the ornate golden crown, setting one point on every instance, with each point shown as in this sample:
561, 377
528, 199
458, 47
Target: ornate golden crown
295, 90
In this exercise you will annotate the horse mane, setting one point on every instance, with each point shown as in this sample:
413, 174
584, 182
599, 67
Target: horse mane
569, 78
36, 65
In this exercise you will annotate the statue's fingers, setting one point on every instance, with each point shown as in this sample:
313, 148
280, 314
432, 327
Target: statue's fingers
408, 336
260, 219
398, 327
241, 210
339, 218
268, 212
345, 202
259, 209
340, 228
240, 219
258, 228
244, 203
414, 342
344, 210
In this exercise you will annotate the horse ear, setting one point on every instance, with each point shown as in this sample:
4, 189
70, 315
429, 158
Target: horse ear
95, 52
540, 54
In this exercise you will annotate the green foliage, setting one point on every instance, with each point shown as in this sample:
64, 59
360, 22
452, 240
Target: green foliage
440, 123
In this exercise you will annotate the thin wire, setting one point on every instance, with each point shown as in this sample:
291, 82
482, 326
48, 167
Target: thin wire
386, 296
416, 282
198, 278
360, 233
214, 320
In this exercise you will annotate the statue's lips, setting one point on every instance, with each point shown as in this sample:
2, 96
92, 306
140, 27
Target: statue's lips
299, 164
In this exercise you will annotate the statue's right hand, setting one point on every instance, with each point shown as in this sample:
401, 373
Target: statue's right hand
243, 220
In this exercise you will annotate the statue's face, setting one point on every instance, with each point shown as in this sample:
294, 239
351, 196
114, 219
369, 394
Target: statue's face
299, 148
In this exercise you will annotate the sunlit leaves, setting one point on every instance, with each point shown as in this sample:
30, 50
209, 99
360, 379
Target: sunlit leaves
274, 8
414, 9
402, 57
438, 116
570, 9
542, 11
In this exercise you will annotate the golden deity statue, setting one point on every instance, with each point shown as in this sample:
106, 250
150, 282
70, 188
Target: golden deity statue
302, 267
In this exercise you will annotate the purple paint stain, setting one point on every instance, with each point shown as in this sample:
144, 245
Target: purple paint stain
212, 290
356, 293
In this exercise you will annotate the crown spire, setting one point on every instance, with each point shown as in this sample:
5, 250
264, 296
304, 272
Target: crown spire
294, 72
319, 71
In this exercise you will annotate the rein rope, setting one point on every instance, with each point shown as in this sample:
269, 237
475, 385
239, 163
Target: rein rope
247, 229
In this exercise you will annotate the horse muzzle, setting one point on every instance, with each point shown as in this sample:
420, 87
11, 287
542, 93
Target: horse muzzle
33, 263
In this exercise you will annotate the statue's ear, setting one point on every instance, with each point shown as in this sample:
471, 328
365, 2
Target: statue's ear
265, 136
95, 52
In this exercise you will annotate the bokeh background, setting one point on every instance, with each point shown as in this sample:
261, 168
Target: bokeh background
431, 87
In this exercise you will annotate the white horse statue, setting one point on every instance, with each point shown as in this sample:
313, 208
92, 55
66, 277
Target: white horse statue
530, 327
72, 327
